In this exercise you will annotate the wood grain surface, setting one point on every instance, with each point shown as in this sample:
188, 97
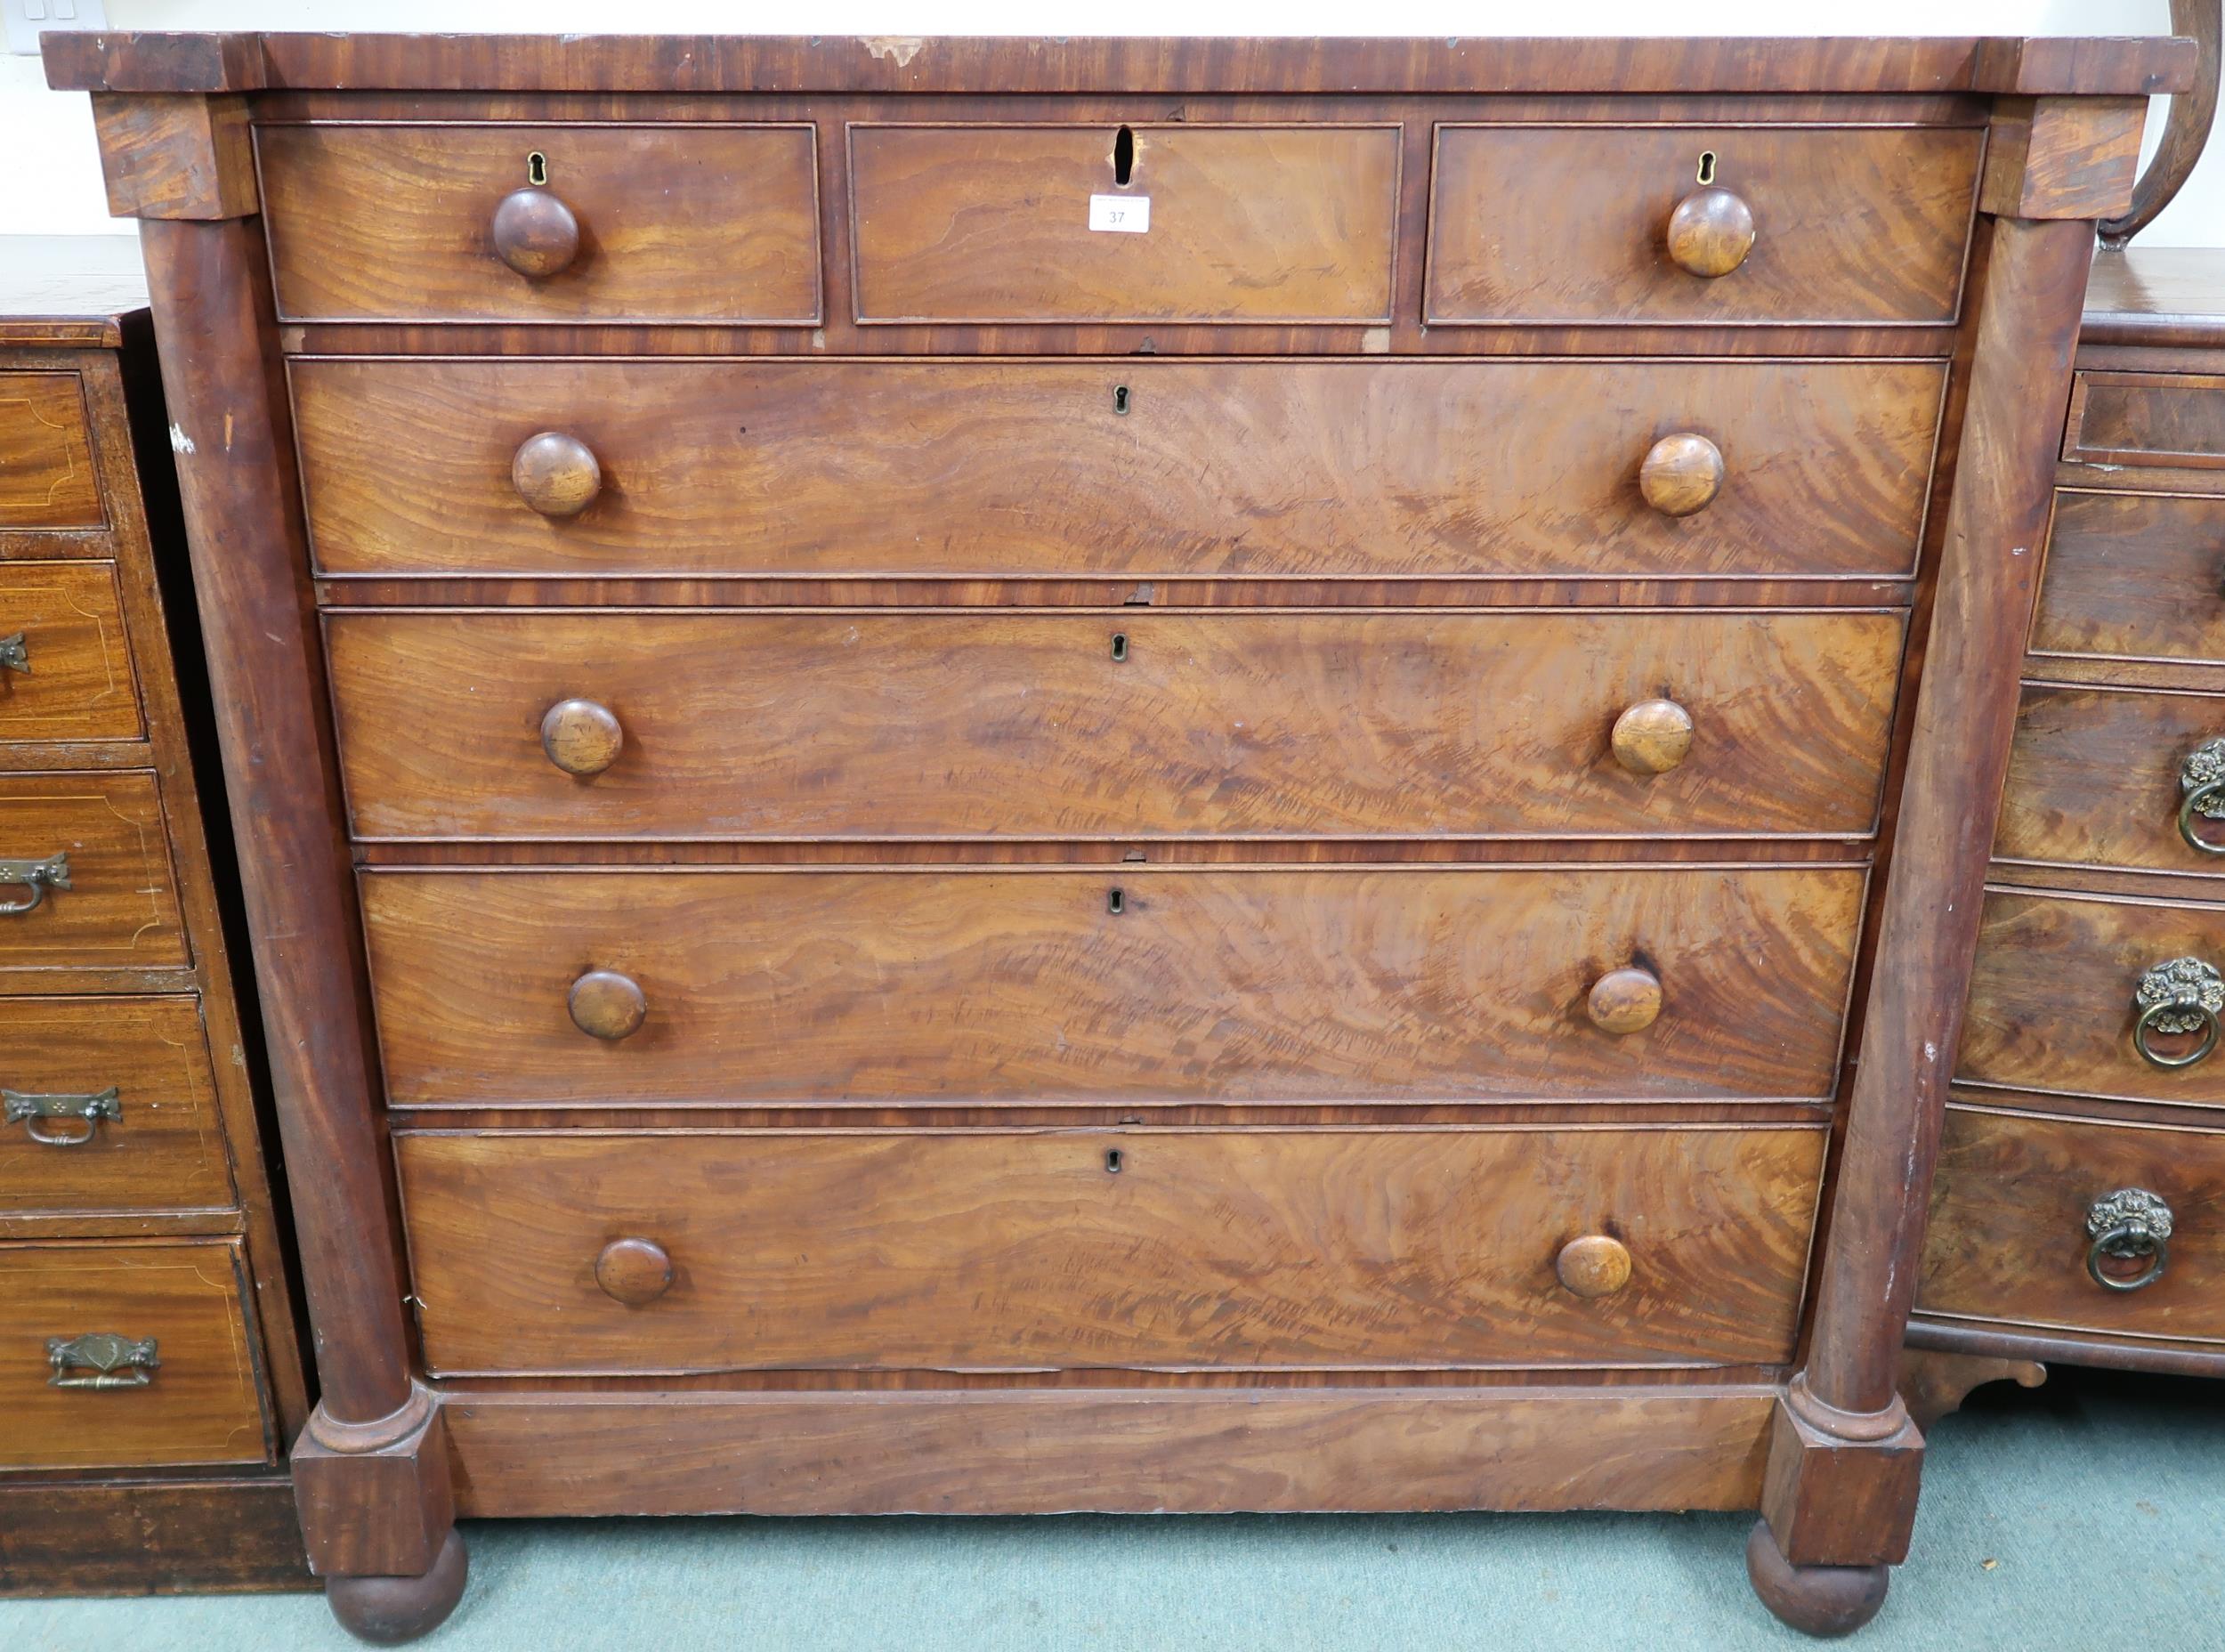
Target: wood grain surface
1011, 985
2146, 418
1155, 723
152, 1535
2134, 576
200, 1407
121, 909
2093, 779
1851, 225
997, 223
1213, 1249
46, 474
1365, 469
80, 683
166, 1153
703, 223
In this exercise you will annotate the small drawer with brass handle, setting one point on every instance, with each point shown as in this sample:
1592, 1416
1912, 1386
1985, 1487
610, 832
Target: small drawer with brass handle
2180, 998
535, 233
2131, 1225
66, 671
86, 1111
101, 1360
37, 877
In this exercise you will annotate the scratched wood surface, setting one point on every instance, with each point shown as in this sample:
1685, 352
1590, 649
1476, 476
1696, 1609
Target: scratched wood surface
79, 684
2147, 418
2094, 778
2134, 576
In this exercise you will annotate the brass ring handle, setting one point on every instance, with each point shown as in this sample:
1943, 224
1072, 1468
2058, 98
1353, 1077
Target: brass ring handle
1710, 233
556, 474
2185, 995
535, 233
607, 1005
581, 737
15, 652
37, 875
2125, 1225
113, 1361
2202, 778
28, 1110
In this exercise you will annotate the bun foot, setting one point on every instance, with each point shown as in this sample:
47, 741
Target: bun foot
1814, 1599
388, 1611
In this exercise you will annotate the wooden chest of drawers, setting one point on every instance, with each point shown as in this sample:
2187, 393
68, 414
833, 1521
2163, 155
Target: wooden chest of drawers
150, 1379
1121, 775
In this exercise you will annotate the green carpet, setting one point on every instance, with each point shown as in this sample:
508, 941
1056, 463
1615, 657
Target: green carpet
2089, 1515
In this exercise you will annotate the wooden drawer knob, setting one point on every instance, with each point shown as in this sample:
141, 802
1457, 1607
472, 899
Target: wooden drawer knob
1652, 737
556, 474
1681, 474
535, 233
607, 1005
635, 1272
1710, 232
1593, 1266
1624, 1001
581, 737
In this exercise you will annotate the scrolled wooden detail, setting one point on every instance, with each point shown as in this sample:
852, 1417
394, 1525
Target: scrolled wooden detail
1681, 474
535, 233
1593, 1266
1710, 233
2185, 128
634, 1270
607, 1005
1652, 737
582, 737
556, 474
1624, 1001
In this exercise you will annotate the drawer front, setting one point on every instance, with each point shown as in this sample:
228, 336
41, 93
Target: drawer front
1214, 224
120, 910
2145, 419
46, 474
2008, 1237
2117, 778
199, 1403
927, 725
695, 223
1129, 982
2052, 999
110, 1106
1137, 469
1543, 224
2134, 576
69, 674
1189, 1249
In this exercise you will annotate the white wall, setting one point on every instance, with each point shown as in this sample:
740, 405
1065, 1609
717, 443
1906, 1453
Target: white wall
52, 176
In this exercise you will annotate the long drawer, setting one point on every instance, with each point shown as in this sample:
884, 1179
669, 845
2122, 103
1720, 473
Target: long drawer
1188, 1249
65, 662
2117, 778
1010, 985
1131, 468
119, 909
885, 725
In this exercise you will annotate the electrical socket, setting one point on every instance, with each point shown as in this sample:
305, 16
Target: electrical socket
29, 19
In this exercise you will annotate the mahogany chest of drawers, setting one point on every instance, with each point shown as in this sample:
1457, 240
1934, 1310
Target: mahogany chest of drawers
150, 1380
1114, 775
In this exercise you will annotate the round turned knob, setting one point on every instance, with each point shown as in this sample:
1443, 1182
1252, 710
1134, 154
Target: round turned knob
1624, 1001
636, 1271
556, 474
535, 233
1593, 1266
607, 1005
1681, 474
1710, 232
581, 737
1652, 737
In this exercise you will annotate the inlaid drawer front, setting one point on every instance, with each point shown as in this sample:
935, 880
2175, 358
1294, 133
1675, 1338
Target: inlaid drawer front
109, 1104
85, 876
1110, 223
701, 222
126, 1354
2145, 419
2098, 996
2117, 778
2113, 1227
46, 474
1132, 468
1169, 1249
1157, 723
65, 660
1016, 986
1699, 224
2134, 576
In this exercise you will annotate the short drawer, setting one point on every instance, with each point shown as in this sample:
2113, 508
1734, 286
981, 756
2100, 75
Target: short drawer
1145, 222
703, 223
65, 659
126, 1355
2062, 984
2121, 778
882, 726
111, 1104
1131, 469
1535, 225
2134, 576
46, 474
2025, 1201
85, 876
1211, 1250
2145, 419
1051, 987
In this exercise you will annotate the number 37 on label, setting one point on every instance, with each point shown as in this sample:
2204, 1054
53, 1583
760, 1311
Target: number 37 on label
1123, 214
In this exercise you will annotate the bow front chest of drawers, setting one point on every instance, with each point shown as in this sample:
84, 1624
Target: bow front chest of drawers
1114, 775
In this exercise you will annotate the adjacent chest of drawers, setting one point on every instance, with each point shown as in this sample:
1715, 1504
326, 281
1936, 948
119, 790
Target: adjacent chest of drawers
149, 1376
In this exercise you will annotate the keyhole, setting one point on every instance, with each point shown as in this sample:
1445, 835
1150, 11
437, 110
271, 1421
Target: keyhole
537, 169
1120, 400
1707, 166
1116, 902
1120, 647
1113, 1161
1123, 156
